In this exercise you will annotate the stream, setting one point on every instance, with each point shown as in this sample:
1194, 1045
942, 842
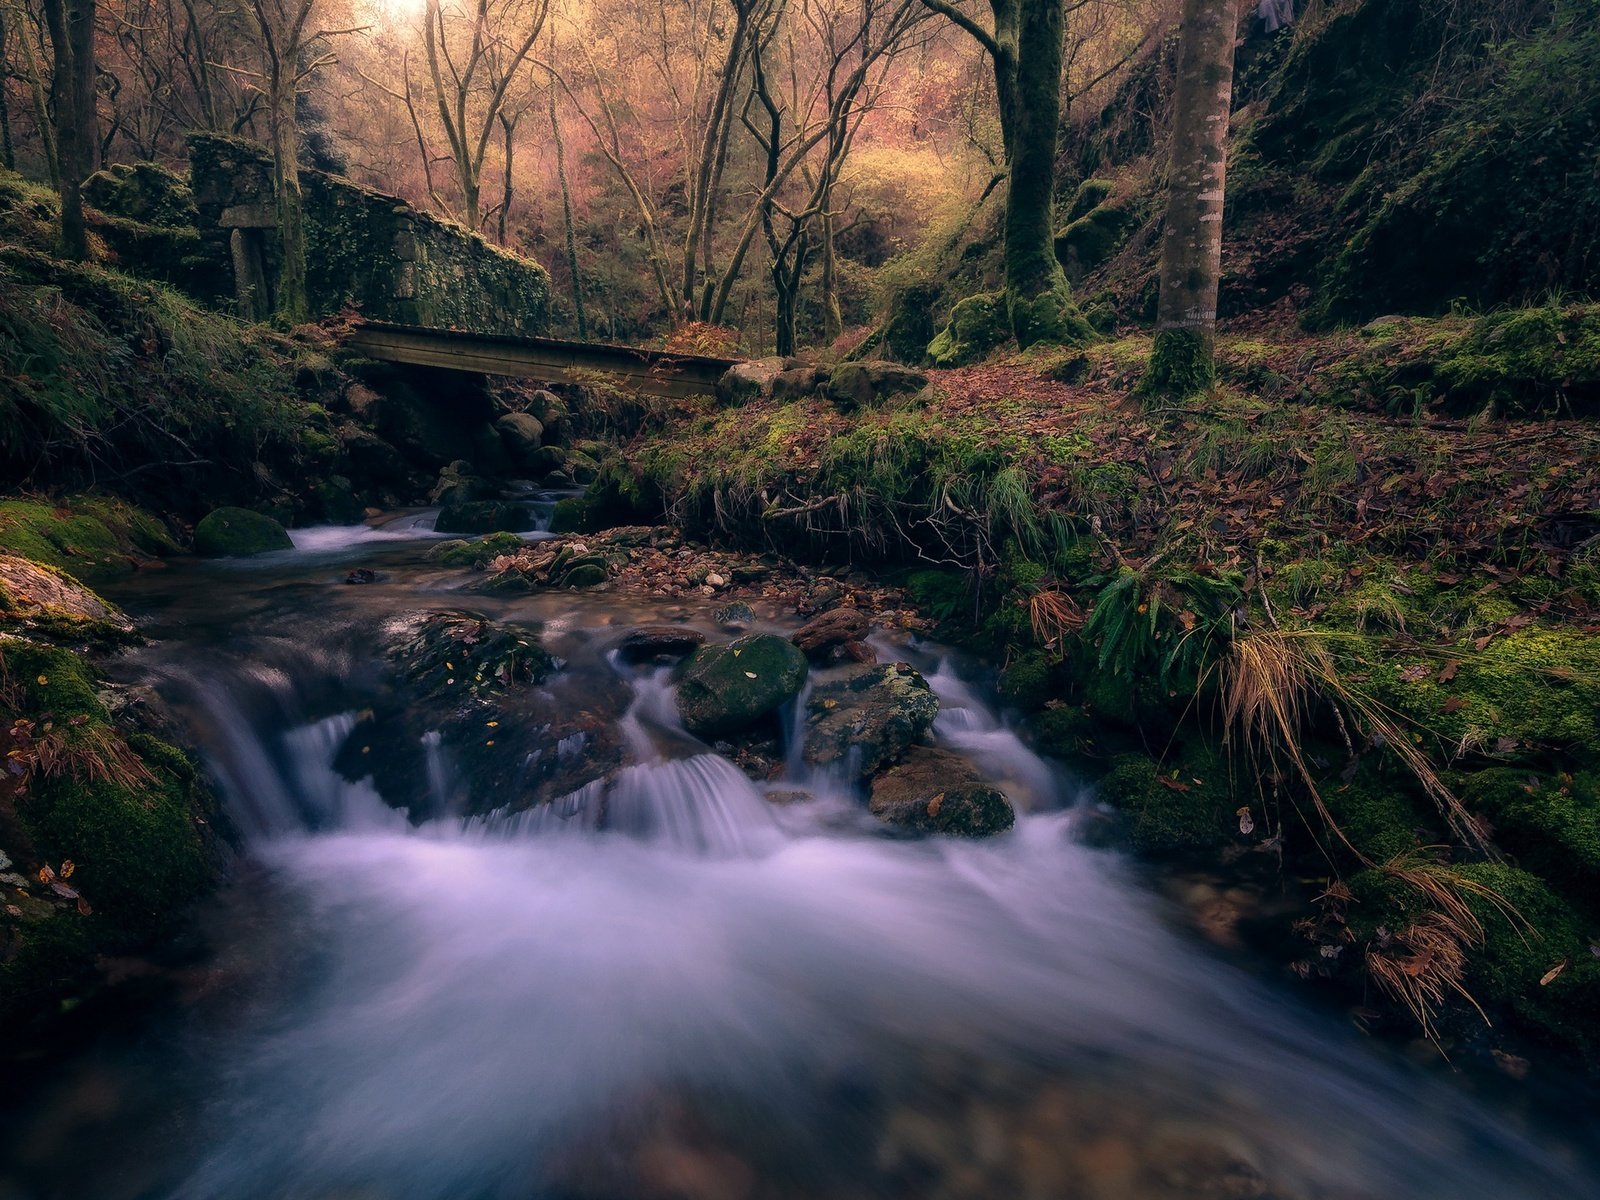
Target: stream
708, 994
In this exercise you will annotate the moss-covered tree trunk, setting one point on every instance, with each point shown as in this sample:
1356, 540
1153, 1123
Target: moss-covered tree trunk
72, 93
1026, 48
292, 302
1182, 359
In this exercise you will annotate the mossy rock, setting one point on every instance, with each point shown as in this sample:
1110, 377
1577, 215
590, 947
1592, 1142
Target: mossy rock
1529, 931
91, 540
723, 689
868, 717
1031, 680
1184, 805
1092, 239
977, 325
238, 533
572, 515
51, 602
1380, 817
1090, 195
451, 654
1550, 821
462, 553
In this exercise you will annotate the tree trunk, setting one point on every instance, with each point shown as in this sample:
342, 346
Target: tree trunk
8, 157
509, 129
1182, 359
292, 303
41, 106
1029, 35
566, 214
72, 92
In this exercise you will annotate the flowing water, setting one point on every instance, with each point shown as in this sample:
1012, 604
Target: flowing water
665, 984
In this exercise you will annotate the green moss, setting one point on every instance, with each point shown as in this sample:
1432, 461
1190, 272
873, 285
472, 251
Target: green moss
1184, 804
462, 553
1379, 816
1181, 364
139, 854
1550, 822
1050, 318
1090, 195
238, 532
51, 680
1093, 238
1030, 681
73, 538
977, 325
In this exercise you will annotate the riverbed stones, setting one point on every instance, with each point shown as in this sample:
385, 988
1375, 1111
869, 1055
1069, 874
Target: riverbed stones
935, 791
723, 689
238, 533
825, 638
867, 717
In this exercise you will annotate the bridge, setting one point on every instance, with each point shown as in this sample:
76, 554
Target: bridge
552, 360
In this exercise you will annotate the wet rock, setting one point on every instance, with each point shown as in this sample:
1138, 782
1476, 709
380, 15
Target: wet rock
823, 638
457, 484
935, 791
238, 533
723, 689
868, 717
484, 516
737, 615
652, 643
363, 575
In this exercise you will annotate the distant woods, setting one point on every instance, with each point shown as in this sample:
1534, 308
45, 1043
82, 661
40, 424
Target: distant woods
674, 163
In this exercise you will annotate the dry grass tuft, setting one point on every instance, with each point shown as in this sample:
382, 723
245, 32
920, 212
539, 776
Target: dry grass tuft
1269, 682
1422, 965
1054, 616
90, 754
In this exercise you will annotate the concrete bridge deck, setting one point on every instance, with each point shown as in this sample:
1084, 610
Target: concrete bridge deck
555, 360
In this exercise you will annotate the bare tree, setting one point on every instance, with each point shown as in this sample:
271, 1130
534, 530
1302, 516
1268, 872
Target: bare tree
1182, 359
472, 66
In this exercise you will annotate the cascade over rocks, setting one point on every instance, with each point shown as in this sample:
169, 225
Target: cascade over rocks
723, 689
868, 716
936, 791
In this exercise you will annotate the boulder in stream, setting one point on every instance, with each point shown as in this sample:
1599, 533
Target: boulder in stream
723, 689
936, 791
238, 533
829, 636
868, 717
484, 516
652, 643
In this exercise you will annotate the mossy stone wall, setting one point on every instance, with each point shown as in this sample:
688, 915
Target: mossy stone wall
367, 249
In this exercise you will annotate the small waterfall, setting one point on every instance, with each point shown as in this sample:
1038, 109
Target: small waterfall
967, 725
